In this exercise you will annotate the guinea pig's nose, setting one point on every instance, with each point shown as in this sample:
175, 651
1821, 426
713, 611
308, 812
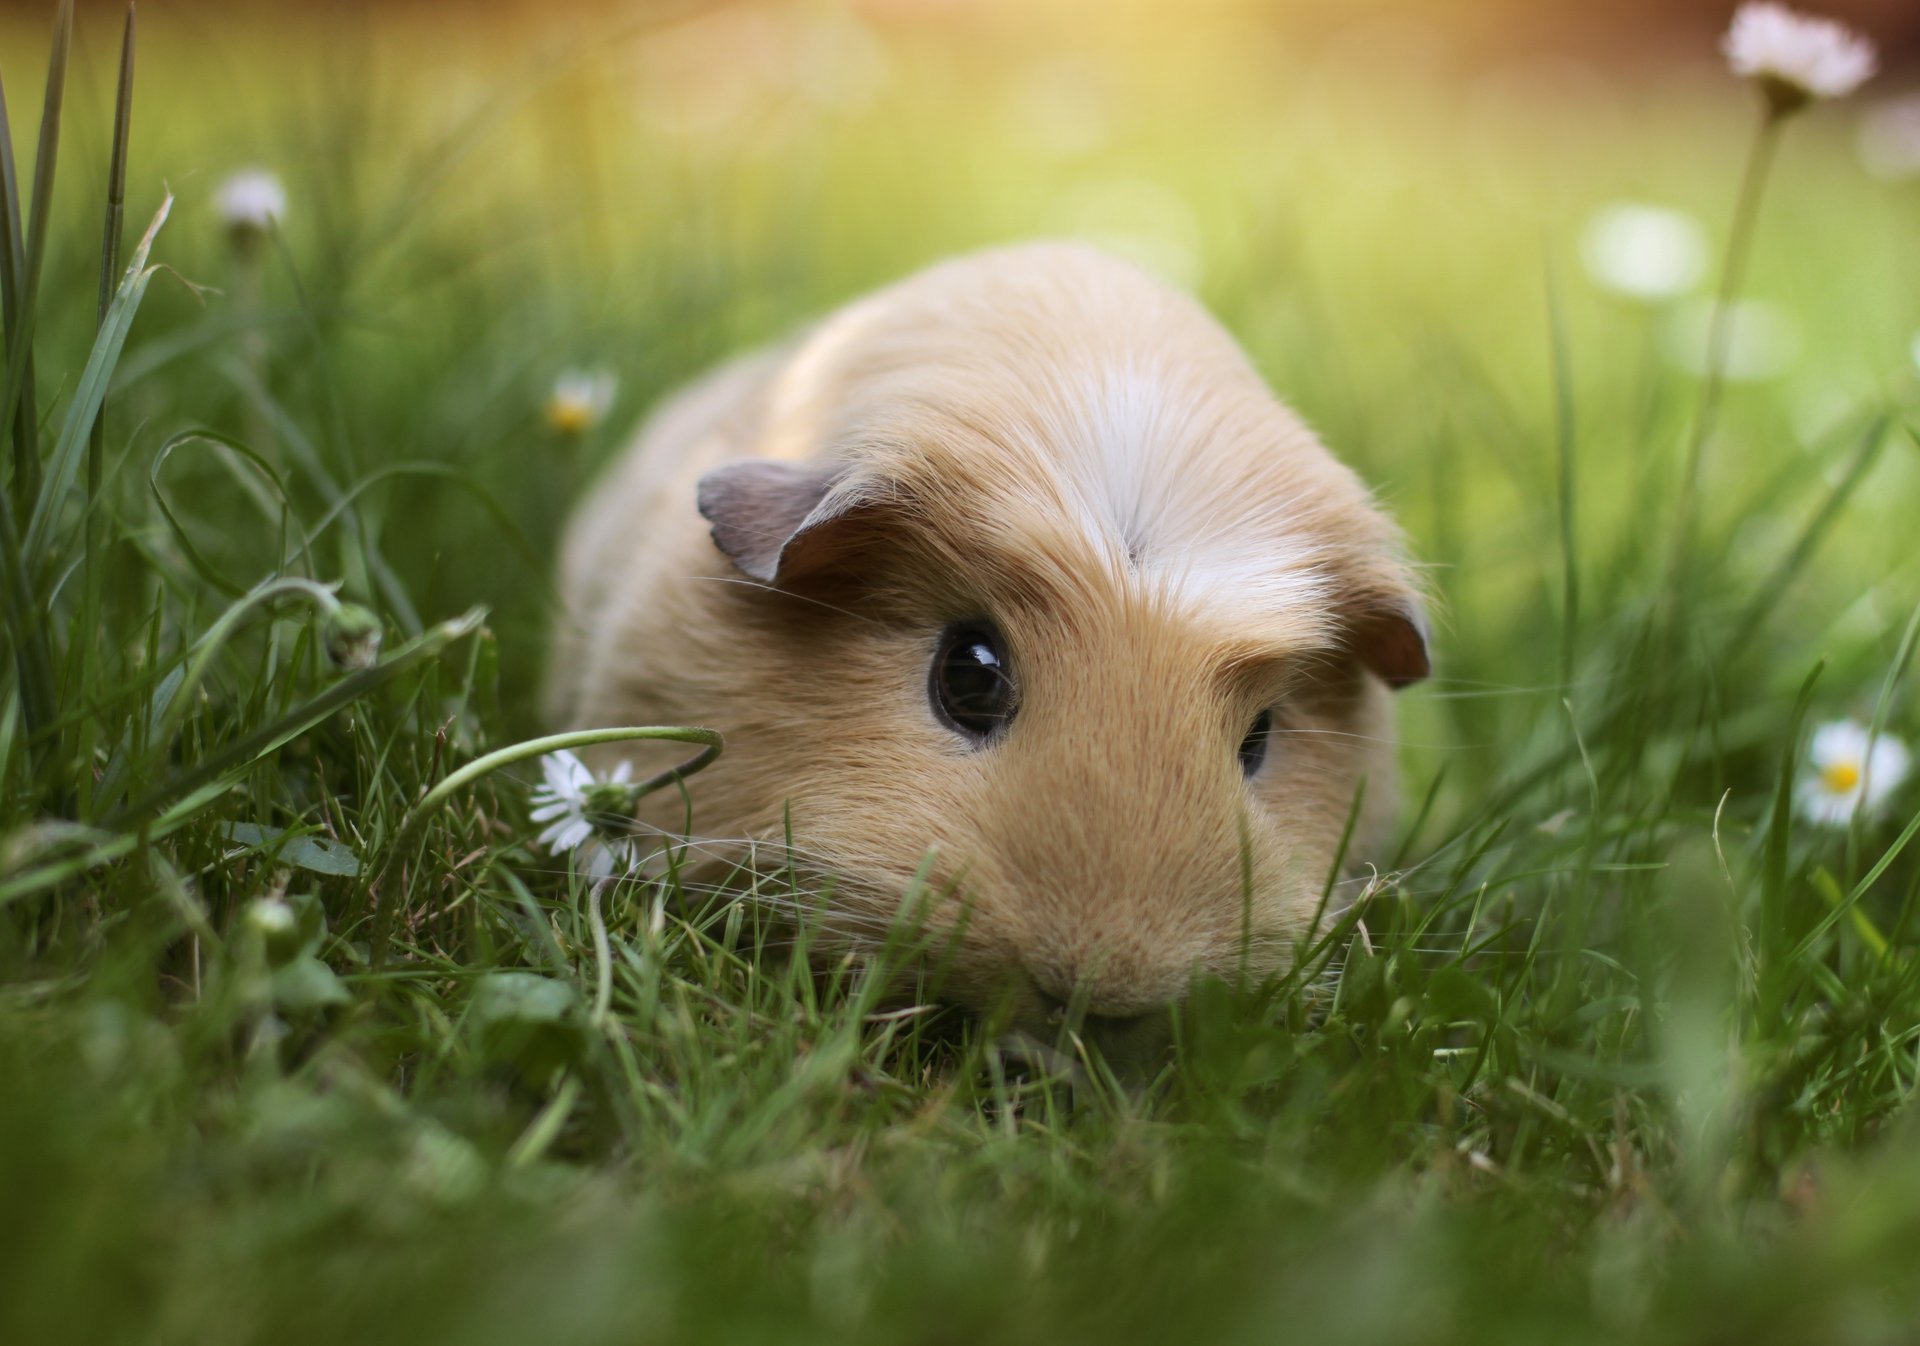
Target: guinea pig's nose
1106, 1027
1102, 1028
1129, 1043
1132, 1044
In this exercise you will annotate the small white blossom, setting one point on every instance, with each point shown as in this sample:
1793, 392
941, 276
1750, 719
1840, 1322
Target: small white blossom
251, 200
580, 400
1643, 251
1795, 57
586, 815
272, 917
1890, 138
1852, 772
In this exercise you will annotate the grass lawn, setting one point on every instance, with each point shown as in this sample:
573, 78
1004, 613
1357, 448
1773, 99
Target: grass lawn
292, 1051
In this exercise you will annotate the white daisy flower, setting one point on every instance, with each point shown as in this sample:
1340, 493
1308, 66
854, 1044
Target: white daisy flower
1794, 57
1852, 772
1644, 251
586, 815
250, 200
1890, 138
580, 400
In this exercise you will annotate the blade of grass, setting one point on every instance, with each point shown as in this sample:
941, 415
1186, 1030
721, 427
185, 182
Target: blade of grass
1895, 671
33, 650
303, 717
112, 776
210, 644
509, 526
91, 392
13, 267
114, 846
1766, 596
366, 568
276, 504
1774, 956
90, 595
31, 655
20, 345
1858, 891
117, 171
1563, 443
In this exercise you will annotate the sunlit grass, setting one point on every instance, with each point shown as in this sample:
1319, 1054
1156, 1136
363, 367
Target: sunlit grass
297, 1045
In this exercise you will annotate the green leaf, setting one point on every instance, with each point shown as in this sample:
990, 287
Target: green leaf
527, 1021
302, 850
1455, 993
306, 985
523, 998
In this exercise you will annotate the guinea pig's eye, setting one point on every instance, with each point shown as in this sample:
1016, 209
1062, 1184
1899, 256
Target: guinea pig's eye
1253, 748
971, 681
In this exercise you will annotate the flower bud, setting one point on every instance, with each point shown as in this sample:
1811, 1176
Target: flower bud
352, 637
277, 924
250, 202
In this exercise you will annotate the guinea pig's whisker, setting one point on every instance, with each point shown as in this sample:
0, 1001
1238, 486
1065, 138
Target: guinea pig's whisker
748, 583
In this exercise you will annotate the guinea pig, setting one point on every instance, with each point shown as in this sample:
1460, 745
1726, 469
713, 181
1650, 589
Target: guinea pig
1014, 585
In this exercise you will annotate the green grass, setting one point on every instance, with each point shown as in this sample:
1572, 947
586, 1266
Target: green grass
1634, 1051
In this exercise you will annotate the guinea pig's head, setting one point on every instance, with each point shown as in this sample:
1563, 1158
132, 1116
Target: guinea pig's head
1071, 628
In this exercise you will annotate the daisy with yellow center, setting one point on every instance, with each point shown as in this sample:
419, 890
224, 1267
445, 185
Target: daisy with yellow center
1853, 772
580, 400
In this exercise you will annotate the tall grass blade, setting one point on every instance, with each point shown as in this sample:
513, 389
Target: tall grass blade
1766, 596
95, 573
117, 170
1774, 873
90, 393
13, 267
20, 344
1563, 442
239, 756
31, 656
1878, 726
32, 649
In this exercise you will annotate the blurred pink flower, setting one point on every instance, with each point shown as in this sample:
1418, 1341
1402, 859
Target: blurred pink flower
251, 199
1794, 57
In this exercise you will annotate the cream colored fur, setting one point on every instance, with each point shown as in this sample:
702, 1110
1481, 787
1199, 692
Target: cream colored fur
1049, 437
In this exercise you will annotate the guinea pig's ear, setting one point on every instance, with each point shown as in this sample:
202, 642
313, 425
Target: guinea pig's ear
780, 522
1388, 631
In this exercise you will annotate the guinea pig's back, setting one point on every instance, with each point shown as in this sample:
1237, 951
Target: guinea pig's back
637, 520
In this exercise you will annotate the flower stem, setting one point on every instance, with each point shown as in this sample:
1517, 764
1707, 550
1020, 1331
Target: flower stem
602, 953
1720, 334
